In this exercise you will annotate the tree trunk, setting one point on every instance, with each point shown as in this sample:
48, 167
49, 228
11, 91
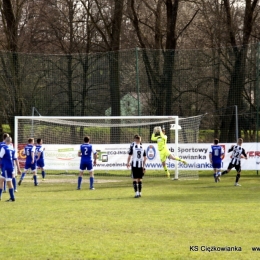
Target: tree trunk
235, 95
114, 74
171, 42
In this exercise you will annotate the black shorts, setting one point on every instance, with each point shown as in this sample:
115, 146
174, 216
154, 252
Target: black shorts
236, 166
137, 173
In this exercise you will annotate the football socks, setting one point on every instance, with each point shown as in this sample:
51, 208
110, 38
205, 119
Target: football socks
23, 175
140, 186
14, 182
79, 181
35, 179
135, 186
11, 192
91, 182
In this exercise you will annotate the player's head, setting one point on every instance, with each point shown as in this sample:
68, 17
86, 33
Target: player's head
239, 141
163, 129
5, 135
216, 141
8, 140
137, 138
86, 139
39, 141
30, 140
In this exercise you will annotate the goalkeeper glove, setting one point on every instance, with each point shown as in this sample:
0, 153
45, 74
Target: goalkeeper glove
183, 161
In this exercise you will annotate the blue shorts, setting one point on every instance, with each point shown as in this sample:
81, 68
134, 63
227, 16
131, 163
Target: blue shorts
40, 163
31, 166
216, 165
86, 166
7, 174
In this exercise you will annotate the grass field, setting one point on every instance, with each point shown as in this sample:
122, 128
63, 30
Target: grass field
56, 221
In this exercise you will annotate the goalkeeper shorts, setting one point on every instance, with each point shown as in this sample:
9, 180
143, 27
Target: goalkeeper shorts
164, 154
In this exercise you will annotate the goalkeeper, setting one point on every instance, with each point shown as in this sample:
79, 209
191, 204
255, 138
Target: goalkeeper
159, 136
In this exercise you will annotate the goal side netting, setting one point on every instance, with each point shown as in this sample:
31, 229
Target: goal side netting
111, 137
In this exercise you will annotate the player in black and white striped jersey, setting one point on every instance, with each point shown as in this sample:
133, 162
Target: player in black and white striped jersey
138, 155
237, 153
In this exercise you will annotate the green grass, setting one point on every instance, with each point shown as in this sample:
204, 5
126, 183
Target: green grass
55, 221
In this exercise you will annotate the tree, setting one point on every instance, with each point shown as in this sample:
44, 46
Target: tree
160, 79
12, 77
240, 51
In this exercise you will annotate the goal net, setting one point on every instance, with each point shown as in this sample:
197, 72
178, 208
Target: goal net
111, 137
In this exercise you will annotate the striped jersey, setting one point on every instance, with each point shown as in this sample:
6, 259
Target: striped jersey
237, 151
138, 153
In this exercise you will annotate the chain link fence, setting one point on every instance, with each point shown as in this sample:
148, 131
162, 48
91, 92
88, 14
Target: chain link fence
139, 82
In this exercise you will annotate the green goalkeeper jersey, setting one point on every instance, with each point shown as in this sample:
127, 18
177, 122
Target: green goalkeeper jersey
161, 141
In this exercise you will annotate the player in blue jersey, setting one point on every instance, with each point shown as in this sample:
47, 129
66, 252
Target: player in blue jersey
30, 162
40, 156
1, 145
85, 152
6, 154
216, 154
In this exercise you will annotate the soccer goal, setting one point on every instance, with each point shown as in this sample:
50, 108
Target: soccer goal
111, 137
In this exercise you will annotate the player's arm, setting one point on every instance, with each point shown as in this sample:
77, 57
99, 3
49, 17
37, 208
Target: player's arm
163, 136
33, 154
156, 133
231, 149
38, 155
222, 153
128, 160
17, 166
79, 152
2, 153
210, 157
244, 153
130, 153
40, 151
95, 155
144, 161
154, 138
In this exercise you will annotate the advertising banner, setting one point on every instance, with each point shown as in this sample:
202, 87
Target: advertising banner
114, 156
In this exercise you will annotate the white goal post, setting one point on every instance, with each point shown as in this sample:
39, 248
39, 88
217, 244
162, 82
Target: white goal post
107, 133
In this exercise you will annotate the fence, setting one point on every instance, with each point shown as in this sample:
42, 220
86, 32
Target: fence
139, 82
